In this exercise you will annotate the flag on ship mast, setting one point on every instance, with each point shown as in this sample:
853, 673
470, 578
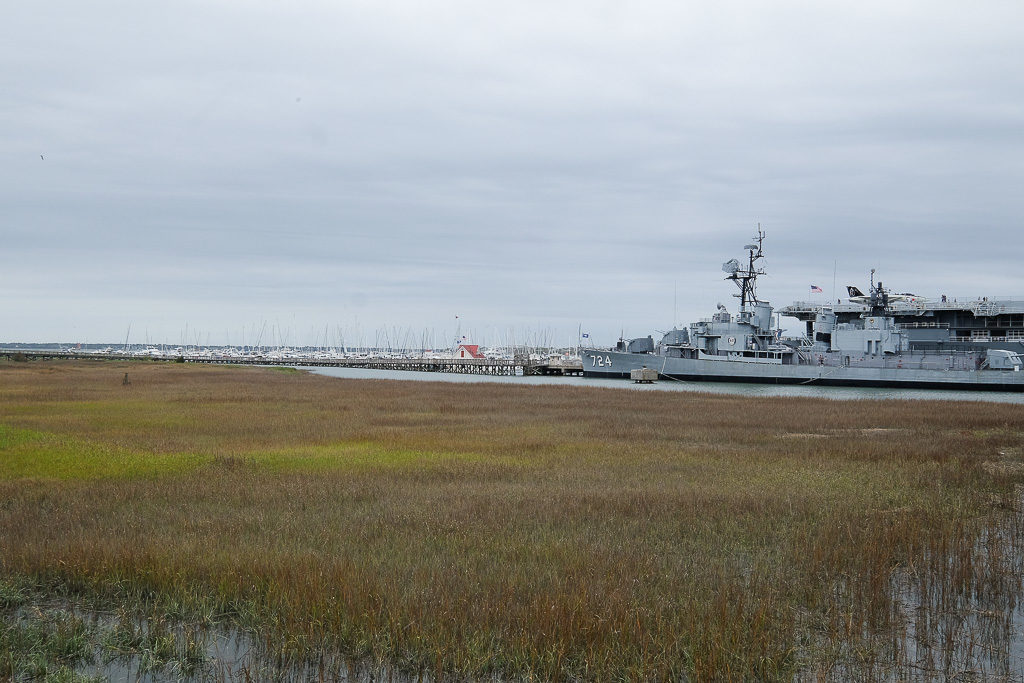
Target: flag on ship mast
815, 289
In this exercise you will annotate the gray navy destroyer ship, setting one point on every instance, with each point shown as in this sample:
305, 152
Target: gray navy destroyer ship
871, 341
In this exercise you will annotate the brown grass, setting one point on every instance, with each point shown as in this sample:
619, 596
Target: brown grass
551, 532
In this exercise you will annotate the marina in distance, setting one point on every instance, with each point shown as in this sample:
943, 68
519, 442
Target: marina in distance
879, 339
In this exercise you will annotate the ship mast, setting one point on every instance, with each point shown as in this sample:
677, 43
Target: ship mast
879, 299
746, 279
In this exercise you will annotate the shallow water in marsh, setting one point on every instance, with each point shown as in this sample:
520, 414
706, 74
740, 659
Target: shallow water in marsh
955, 614
835, 393
102, 646
975, 632
968, 628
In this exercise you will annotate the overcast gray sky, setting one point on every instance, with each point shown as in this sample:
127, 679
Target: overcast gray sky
227, 168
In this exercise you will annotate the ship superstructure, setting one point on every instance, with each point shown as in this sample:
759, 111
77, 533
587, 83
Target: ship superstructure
940, 323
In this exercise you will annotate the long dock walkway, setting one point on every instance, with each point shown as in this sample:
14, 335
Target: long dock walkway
477, 366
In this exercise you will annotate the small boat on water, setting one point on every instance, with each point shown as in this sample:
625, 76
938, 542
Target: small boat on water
870, 349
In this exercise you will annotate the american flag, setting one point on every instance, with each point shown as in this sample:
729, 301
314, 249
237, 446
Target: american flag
815, 289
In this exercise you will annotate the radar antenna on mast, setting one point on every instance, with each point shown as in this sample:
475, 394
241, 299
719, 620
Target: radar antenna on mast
879, 297
746, 279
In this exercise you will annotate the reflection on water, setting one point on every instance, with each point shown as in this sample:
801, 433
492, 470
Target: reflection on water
837, 393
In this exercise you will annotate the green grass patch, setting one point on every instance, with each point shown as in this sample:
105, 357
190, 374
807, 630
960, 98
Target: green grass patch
26, 453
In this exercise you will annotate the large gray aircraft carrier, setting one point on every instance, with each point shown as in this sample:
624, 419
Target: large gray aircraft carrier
877, 339
940, 323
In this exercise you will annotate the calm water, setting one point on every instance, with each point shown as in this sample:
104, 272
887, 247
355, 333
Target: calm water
836, 393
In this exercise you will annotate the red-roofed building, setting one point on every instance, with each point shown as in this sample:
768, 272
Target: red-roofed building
468, 351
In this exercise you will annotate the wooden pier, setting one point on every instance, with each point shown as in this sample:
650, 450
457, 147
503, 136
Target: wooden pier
521, 365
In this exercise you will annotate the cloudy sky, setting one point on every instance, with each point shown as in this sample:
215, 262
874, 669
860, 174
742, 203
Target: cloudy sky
215, 171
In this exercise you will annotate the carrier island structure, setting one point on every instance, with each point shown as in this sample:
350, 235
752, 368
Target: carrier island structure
875, 340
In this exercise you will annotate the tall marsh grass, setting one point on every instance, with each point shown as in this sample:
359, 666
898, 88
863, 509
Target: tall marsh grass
522, 531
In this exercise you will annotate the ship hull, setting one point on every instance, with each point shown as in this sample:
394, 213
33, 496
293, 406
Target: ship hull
616, 364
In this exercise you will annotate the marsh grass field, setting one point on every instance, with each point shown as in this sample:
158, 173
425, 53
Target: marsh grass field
490, 531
